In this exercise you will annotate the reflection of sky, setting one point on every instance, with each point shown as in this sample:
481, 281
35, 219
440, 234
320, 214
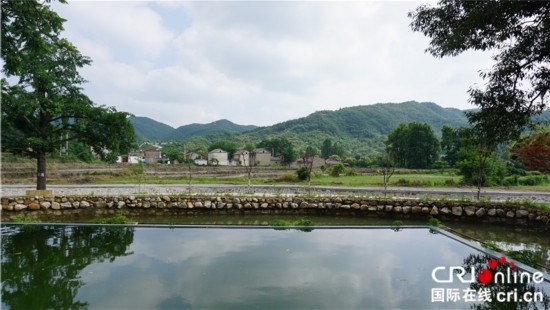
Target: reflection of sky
264, 268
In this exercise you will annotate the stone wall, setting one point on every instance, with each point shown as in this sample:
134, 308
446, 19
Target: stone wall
392, 208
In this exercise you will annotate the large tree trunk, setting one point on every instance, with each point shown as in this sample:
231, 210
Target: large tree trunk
41, 171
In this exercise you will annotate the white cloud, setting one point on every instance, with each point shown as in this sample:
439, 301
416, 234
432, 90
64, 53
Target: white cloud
259, 62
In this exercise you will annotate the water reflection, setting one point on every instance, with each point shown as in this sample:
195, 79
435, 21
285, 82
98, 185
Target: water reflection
181, 268
41, 265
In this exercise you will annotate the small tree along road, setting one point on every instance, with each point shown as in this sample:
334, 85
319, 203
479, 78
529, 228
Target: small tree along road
43, 106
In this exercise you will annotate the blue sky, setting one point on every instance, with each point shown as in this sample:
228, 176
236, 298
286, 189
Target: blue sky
257, 62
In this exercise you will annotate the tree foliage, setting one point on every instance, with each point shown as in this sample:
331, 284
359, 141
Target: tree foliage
518, 32
43, 106
281, 147
414, 145
534, 151
450, 144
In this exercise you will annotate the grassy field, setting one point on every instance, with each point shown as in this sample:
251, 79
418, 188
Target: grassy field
22, 172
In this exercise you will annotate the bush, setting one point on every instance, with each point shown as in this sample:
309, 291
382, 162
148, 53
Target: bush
336, 170
532, 180
302, 173
288, 177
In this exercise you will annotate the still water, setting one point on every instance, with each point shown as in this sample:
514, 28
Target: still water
124, 267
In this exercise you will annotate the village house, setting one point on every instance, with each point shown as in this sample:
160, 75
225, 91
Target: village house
152, 156
242, 157
218, 157
197, 158
262, 157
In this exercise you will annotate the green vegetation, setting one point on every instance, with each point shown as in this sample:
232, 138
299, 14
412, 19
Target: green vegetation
286, 223
25, 219
118, 219
432, 221
525, 256
43, 106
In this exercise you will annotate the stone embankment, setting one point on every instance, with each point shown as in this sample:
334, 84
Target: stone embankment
189, 205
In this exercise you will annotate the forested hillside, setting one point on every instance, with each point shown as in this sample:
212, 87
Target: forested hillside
361, 129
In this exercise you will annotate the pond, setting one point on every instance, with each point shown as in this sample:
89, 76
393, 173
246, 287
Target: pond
175, 267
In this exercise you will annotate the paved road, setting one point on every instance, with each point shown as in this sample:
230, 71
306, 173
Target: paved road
154, 189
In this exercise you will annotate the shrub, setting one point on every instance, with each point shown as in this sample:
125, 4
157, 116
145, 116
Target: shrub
433, 222
288, 177
302, 173
336, 170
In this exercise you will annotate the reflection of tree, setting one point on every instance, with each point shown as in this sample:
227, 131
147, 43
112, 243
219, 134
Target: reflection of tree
40, 267
479, 262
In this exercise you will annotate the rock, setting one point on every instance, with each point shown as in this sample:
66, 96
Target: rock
510, 214
434, 211
45, 205
66, 205
492, 212
425, 210
445, 210
501, 212
416, 209
406, 209
457, 211
198, 204
121, 204
470, 210
161, 205
55, 205
388, 208
34, 206
345, 207
519, 213
84, 204
100, 204
19, 207
264, 205
76, 204
208, 204
480, 212
166, 198
190, 205
372, 208
398, 209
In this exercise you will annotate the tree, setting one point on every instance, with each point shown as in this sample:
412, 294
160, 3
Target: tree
534, 151
518, 84
281, 147
227, 146
45, 106
415, 145
337, 169
308, 159
328, 149
450, 144
477, 162
386, 167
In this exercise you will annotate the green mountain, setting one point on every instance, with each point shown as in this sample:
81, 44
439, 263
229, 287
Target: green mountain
215, 128
361, 129
149, 130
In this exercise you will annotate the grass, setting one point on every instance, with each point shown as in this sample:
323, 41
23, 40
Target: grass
25, 219
118, 219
